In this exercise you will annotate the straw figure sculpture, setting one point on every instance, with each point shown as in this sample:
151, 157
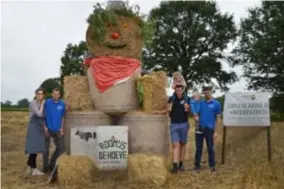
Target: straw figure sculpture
114, 38
114, 86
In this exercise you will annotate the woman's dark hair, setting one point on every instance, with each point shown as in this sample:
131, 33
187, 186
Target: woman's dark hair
39, 89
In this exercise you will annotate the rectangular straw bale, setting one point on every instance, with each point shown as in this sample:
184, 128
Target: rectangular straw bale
159, 96
154, 91
147, 84
161, 77
76, 93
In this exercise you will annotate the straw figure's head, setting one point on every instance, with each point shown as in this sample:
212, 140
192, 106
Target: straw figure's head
115, 31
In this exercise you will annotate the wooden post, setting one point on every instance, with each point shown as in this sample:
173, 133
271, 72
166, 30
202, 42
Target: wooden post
224, 144
268, 143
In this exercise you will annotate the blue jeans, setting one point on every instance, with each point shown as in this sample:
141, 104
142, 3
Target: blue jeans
179, 132
208, 134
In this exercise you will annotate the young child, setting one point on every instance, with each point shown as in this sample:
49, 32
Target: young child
178, 79
195, 108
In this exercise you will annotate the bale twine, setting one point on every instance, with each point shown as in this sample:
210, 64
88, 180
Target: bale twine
154, 97
75, 170
147, 168
76, 93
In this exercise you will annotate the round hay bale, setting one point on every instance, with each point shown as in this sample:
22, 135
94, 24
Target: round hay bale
147, 132
116, 100
86, 118
75, 170
147, 168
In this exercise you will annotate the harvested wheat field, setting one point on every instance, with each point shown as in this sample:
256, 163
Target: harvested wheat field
246, 162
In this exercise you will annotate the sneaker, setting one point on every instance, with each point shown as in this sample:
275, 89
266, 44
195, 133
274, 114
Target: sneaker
196, 169
37, 172
198, 132
174, 170
213, 170
29, 170
181, 168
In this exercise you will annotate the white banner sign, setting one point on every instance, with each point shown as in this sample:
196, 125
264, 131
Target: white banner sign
106, 145
246, 109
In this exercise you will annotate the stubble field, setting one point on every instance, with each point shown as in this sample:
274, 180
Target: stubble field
246, 164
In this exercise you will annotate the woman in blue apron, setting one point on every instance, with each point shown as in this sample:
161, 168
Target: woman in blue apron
35, 141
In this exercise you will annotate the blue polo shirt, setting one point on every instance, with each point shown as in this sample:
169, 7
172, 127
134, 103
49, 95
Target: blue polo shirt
208, 112
54, 112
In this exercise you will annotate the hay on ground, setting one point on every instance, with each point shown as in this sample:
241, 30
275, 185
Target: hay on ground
76, 93
147, 168
75, 170
154, 91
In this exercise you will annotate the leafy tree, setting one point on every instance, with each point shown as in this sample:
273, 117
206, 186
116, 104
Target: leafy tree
191, 35
6, 104
49, 84
23, 103
276, 103
71, 61
221, 99
261, 47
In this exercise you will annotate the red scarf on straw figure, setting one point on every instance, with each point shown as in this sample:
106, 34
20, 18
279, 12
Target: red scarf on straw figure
111, 70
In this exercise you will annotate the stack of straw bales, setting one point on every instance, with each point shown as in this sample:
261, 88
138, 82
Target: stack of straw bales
76, 93
154, 91
75, 170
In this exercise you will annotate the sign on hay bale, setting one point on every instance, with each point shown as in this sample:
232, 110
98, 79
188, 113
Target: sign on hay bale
246, 109
152, 91
106, 145
76, 93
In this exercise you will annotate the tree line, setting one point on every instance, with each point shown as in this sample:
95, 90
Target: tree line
196, 38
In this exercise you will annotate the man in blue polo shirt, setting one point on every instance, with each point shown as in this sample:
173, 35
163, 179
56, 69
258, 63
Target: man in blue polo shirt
54, 109
179, 111
209, 117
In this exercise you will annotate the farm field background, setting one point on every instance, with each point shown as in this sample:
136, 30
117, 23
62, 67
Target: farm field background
246, 164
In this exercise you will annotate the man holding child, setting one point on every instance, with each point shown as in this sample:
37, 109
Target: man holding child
206, 115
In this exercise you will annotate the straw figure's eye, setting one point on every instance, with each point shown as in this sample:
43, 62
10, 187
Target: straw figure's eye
108, 25
125, 25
